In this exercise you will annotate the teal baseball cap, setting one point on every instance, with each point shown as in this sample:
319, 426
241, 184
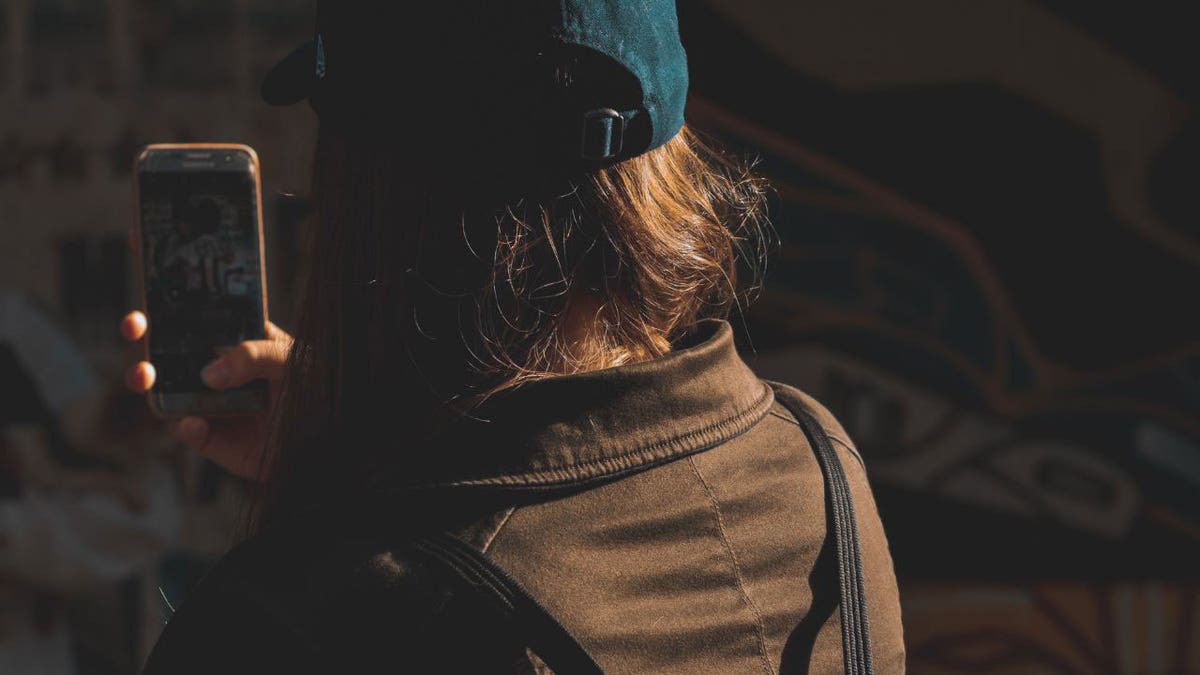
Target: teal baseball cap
590, 82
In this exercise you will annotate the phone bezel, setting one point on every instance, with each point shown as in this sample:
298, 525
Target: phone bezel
151, 159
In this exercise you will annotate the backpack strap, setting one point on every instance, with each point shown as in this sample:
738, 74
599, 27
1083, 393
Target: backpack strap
856, 638
553, 643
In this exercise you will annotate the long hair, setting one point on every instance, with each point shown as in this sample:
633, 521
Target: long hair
426, 295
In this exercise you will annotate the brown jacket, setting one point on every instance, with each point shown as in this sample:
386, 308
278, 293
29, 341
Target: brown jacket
670, 514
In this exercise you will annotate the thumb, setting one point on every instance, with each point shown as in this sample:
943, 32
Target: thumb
252, 360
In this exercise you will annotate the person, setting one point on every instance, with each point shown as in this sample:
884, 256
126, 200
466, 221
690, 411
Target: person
514, 376
81, 508
191, 254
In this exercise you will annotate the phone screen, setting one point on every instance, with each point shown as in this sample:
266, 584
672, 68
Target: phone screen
203, 282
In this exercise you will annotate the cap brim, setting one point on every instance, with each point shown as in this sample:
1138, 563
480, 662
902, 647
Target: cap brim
293, 78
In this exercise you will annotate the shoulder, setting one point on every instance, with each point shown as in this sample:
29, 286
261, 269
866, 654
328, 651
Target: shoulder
218, 629
318, 604
790, 398
887, 631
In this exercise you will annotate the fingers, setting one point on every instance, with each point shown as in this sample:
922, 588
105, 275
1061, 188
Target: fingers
231, 443
140, 378
277, 334
253, 360
133, 326
193, 431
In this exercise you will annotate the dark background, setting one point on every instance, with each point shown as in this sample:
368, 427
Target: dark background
988, 272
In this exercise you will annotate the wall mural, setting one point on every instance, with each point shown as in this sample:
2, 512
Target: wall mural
1004, 328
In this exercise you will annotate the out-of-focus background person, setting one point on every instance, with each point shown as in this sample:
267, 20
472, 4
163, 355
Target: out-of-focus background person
84, 501
988, 272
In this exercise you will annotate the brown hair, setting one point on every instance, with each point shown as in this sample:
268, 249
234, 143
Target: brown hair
426, 295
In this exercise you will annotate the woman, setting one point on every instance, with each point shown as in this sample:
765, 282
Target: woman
513, 336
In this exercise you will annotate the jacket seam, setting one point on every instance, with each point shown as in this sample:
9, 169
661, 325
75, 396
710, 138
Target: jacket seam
551, 475
487, 543
738, 578
849, 448
833, 437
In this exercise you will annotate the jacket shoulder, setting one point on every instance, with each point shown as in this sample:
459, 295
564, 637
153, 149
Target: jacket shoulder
789, 396
325, 601
219, 627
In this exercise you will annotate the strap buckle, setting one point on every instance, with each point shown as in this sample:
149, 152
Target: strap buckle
602, 134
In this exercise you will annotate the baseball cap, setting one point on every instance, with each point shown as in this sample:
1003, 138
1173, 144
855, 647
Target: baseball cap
584, 82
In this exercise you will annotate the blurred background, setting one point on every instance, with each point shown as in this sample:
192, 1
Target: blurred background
989, 272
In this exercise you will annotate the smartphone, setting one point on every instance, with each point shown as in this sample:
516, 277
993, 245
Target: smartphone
200, 241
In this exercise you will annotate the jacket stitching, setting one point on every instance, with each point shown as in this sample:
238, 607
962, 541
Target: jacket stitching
739, 581
785, 418
487, 543
749, 417
833, 437
851, 449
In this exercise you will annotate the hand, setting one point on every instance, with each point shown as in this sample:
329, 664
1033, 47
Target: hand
236, 443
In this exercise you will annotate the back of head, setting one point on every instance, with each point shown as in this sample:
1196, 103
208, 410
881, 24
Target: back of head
434, 284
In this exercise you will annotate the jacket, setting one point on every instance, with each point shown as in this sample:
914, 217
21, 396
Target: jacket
670, 514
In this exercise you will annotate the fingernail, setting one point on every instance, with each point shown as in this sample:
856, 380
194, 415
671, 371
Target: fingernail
214, 374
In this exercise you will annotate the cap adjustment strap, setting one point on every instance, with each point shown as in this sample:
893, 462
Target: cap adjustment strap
602, 133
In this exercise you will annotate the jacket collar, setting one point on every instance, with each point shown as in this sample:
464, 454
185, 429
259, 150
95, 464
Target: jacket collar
593, 426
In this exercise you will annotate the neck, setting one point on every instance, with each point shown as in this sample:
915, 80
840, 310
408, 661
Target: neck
586, 340
584, 344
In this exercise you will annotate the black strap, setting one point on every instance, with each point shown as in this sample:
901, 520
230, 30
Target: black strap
559, 649
602, 132
553, 643
856, 634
